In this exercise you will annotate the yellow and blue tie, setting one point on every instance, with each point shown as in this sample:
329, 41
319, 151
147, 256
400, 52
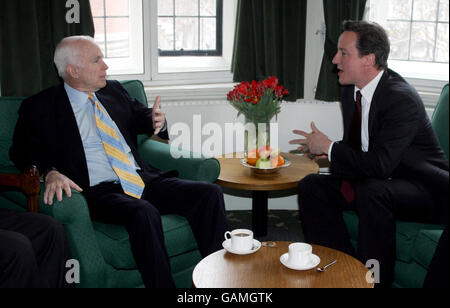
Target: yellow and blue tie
130, 180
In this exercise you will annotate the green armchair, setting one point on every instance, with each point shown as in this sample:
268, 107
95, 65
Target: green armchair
103, 250
415, 242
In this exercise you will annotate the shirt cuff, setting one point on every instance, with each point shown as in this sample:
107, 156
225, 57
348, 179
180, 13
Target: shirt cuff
329, 151
164, 127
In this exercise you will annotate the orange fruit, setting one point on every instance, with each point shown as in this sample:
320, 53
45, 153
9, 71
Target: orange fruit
280, 161
252, 157
274, 161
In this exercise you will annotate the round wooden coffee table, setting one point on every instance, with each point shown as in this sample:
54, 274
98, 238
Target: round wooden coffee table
263, 269
234, 175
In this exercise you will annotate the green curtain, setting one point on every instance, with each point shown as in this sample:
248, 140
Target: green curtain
336, 11
270, 41
30, 31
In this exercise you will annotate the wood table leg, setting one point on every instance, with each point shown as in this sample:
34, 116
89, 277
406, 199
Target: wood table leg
259, 212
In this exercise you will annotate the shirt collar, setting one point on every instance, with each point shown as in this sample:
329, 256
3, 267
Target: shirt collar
369, 90
76, 97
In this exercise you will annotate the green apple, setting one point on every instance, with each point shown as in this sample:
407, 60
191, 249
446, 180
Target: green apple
263, 163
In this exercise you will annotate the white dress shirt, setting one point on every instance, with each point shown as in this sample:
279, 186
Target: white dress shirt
366, 100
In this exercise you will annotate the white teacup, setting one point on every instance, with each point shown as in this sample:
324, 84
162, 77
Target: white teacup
241, 239
299, 254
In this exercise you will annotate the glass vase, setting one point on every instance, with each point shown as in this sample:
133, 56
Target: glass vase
257, 135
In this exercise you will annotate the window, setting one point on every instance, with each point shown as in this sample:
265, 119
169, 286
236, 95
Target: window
118, 31
111, 20
194, 36
166, 41
190, 27
418, 31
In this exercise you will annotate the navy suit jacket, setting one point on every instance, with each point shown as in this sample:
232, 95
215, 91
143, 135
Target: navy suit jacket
402, 142
47, 134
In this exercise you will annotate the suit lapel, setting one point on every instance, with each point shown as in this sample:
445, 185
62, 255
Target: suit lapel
67, 132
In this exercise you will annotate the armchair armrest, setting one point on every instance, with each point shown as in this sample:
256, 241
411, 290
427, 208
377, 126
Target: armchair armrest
73, 214
28, 182
158, 155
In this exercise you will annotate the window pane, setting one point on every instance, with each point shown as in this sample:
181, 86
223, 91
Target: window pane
400, 9
165, 7
398, 32
208, 34
99, 38
97, 8
118, 37
442, 43
425, 10
186, 7
443, 10
165, 33
186, 33
117, 7
208, 7
422, 41
192, 30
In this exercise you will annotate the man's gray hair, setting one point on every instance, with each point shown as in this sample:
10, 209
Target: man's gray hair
66, 53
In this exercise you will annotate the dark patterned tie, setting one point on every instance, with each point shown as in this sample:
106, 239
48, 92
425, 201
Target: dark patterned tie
355, 142
355, 124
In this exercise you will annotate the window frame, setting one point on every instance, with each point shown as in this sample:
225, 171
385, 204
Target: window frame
198, 52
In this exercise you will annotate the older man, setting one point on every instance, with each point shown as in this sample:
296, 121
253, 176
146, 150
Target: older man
82, 134
389, 164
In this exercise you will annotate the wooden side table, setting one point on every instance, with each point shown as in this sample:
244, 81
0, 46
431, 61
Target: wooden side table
263, 269
234, 175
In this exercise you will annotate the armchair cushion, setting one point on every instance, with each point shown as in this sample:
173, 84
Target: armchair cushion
425, 245
415, 247
410, 241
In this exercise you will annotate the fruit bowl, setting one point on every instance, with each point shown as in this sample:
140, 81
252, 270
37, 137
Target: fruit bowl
265, 171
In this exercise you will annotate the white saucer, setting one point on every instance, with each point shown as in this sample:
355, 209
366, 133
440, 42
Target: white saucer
227, 245
315, 260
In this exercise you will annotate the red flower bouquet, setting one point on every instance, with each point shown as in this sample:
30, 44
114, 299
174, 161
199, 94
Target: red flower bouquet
258, 101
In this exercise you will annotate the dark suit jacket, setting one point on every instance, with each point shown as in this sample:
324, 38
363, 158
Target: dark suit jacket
402, 142
47, 134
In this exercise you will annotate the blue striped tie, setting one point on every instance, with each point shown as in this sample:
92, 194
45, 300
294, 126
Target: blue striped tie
130, 180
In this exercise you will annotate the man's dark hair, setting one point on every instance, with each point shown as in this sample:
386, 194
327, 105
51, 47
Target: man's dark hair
372, 38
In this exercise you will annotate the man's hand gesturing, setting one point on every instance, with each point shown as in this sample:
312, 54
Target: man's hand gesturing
316, 143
